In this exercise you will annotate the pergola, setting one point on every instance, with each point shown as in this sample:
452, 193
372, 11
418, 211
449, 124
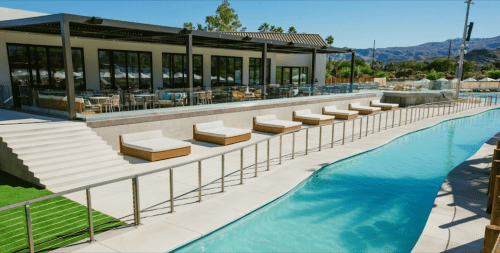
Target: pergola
67, 25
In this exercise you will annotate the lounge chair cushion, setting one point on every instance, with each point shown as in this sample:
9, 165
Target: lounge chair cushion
333, 109
158, 144
128, 138
208, 125
377, 103
225, 132
302, 112
366, 108
315, 117
259, 119
279, 123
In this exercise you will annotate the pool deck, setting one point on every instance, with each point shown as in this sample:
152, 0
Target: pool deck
458, 219
163, 231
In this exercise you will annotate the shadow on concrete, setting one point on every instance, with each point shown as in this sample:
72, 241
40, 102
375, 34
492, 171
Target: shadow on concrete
9, 117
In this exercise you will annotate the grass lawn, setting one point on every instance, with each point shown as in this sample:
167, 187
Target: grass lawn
55, 222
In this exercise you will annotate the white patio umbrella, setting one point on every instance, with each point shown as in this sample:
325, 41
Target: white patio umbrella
424, 80
470, 79
60, 74
442, 80
487, 79
498, 80
454, 80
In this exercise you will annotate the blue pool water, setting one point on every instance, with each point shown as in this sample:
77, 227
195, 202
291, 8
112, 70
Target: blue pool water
376, 201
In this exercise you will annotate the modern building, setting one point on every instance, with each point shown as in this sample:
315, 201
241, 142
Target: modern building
145, 57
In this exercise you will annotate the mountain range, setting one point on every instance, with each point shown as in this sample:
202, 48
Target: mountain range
431, 50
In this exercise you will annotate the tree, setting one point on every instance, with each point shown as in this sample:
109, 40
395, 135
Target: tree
264, 27
495, 74
435, 76
188, 25
329, 41
225, 19
383, 74
292, 30
275, 29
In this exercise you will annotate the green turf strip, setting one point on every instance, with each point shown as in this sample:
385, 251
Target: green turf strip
56, 222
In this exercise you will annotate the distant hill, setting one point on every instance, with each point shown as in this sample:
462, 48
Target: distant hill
427, 51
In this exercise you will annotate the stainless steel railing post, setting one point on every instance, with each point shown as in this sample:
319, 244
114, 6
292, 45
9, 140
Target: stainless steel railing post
386, 119
281, 145
268, 152
171, 172
89, 215
241, 166
406, 116
367, 123
496, 98
353, 123
379, 120
256, 158
433, 107
428, 110
449, 108
393, 117
137, 203
28, 227
333, 134
320, 132
307, 139
411, 115
360, 127
223, 172
199, 181
293, 145
343, 135
400, 116
373, 126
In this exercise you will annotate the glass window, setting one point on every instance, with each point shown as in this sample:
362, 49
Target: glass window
40, 70
178, 69
57, 68
303, 75
145, 65
78, 69
166, 69
131, 70
226, 70
278, 75
286, 76
197, 71
256, 68
105, 70
295, 76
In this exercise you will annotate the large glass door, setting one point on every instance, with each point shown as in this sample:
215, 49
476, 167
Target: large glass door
295, 76
286, 76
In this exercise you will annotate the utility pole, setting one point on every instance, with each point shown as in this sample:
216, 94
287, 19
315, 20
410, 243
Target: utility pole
462, 50
373, 60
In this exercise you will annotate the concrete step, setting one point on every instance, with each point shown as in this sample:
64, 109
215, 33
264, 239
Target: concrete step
68, 173
60, 147
58, 185
64, 153
52, 136
28, 134
94, 161
52, 143
37, 127
82, 158
81, 169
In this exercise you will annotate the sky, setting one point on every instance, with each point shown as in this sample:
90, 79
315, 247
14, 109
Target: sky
353, 24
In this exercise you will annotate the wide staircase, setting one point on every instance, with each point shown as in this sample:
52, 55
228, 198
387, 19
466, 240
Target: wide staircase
59, 155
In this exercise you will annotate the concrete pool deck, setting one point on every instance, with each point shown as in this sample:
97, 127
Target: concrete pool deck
163, 231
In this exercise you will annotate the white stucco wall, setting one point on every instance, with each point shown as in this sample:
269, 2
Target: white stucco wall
7, 14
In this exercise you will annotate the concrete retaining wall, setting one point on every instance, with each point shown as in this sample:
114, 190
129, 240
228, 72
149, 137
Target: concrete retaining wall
179, 125
415, 98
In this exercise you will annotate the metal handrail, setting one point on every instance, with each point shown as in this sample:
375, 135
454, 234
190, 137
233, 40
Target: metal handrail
458, 105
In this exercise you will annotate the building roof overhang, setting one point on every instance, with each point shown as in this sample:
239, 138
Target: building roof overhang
108, 29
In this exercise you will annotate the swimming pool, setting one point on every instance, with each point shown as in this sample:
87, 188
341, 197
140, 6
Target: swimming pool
376, 201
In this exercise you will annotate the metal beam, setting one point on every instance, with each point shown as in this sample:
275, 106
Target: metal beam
68, 70
352, 71
189, 61
264, 69
313, 68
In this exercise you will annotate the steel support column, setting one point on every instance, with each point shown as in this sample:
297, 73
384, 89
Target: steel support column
352, 71
68, 70
189, 63
313, 71
264, 70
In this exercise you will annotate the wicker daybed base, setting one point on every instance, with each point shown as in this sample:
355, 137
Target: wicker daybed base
154, 156
387, 108
341, 116
274, 130
220, 140
313, 121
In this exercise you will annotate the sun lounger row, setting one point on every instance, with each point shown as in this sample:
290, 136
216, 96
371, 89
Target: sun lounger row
152, 146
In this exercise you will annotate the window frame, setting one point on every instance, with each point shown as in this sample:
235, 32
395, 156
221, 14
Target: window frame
218, 82
268, 71
184, 68
35, 66
291, 70
112, 67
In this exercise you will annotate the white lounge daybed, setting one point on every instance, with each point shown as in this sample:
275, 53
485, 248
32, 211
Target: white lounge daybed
339, 114
269, 123
306, 117
216, 132
384, 106
364, 109
152, 146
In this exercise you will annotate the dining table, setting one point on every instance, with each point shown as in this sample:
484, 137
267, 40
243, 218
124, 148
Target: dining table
144, 96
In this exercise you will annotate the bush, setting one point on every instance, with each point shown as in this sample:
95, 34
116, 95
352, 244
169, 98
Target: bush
435, 76
383, 74
495, 74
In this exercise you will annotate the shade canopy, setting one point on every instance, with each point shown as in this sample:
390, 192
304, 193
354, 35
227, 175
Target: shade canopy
470, 79
487, 79
442, 80
425, 80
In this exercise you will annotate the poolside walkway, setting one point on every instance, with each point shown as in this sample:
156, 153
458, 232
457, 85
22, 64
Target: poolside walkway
458, 219
164, 231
